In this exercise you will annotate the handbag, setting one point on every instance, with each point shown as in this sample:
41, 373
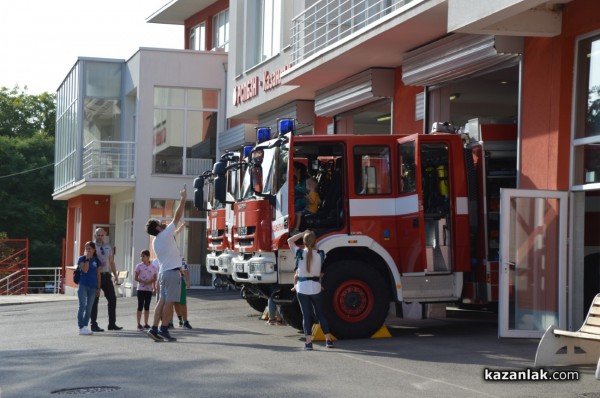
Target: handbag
77, 275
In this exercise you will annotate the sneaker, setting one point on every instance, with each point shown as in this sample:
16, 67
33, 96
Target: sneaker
187, 325
329, 344
153, 334
171, 326
140, 327
146, 326
308, 347
114, 327
180, 322
166, 335
96, 328
84, 331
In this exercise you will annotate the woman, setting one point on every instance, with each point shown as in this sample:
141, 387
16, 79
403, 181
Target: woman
145, 276
89, 286
307, 284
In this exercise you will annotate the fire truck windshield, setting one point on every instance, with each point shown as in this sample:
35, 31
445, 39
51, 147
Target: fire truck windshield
273, 165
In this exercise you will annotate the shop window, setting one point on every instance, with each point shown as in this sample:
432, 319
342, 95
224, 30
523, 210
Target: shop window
372, 170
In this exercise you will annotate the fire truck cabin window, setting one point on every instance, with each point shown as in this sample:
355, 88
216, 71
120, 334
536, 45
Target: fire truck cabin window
372, 170
407, 167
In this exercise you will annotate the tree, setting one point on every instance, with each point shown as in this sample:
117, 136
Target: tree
27, 125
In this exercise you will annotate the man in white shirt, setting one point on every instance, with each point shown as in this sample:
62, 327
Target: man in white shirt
169, 275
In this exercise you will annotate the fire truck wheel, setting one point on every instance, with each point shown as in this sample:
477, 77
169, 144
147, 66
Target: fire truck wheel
292, 315
355, 299
258, 303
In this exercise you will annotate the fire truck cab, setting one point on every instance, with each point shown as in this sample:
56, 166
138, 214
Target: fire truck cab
398, 221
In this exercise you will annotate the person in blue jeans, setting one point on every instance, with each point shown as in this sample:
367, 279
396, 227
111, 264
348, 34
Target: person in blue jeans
307, 284
89, 286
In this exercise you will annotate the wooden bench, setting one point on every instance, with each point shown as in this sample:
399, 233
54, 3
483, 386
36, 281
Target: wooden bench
561, 347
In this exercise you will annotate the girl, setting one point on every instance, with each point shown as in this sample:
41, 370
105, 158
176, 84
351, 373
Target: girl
307, 284
145, 276
89, 286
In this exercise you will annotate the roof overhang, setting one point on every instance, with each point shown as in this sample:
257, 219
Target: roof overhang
177, 11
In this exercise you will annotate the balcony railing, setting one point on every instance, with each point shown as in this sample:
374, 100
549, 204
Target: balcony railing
109, 159
329, 21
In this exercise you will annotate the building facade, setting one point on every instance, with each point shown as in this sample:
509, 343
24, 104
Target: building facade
130, 134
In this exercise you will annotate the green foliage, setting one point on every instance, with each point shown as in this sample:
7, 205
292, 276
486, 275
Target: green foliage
27, 175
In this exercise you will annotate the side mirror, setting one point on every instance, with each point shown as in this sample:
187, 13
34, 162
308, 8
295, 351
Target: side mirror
199, 199
220, 181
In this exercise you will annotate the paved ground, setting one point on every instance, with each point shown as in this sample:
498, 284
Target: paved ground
231, 353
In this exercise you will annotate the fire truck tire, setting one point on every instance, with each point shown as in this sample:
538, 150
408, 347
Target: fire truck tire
258, 303
292, 315
355, 300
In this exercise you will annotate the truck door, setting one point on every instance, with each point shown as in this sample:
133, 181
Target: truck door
424, 205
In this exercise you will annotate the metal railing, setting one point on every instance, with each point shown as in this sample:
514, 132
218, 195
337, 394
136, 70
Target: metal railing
329, 21
32, 280
109, 159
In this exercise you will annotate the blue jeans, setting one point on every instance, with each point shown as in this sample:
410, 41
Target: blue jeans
307, 303
86, 296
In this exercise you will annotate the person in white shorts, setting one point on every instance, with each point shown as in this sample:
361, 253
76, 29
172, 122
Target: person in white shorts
169, 275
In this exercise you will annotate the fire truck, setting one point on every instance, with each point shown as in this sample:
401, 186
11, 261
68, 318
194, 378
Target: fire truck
402, 219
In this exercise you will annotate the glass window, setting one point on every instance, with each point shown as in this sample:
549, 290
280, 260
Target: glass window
185, 129
407, 167
198, 37
588, 93
221, 30
372, 170
263, 37
586, 163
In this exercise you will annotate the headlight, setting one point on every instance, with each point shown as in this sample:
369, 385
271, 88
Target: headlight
261, 267
223, 262
239, 267
210, 261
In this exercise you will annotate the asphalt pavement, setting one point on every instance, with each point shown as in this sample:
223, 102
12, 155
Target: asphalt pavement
232, 353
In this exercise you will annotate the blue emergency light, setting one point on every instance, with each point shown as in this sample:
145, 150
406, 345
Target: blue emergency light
263, 134
247, 150
286, 126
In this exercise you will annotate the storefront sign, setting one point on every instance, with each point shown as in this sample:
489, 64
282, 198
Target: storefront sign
249, 89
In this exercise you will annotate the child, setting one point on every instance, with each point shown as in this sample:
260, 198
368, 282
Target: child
312, 202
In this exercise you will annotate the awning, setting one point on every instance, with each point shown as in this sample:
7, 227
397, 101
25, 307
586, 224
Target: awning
358, 90
458, 56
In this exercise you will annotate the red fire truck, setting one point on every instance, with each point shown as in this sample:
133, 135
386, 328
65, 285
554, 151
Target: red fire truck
402, 219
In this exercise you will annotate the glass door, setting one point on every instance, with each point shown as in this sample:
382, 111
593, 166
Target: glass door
533, 254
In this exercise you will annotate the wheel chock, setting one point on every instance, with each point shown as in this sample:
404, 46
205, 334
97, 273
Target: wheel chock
317, 333
381, 333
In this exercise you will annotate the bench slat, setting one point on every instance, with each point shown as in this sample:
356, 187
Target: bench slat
591, 330
593, 320
581, 335
595, 310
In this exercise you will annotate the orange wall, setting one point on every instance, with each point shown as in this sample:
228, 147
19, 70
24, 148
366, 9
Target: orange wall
95, 209
547, 99
404, 107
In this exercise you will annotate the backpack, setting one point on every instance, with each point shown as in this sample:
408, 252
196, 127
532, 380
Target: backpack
299, 256
77, 275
